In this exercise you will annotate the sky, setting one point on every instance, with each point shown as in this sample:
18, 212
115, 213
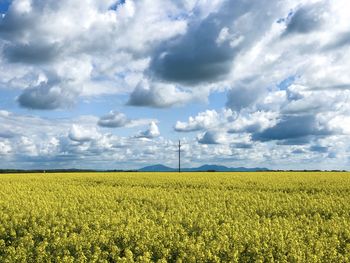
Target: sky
106, 84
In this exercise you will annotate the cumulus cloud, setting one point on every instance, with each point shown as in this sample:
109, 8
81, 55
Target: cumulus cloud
319, 149
204, 120
151, 133
47, 96
251, 122
212, 137
5, 147
194, 58
207, 50
293, 127
161, 95
241, 97
341, 40
79, 133
306, 19
229, 121
115, 119
242, 145
4, 133
228, 127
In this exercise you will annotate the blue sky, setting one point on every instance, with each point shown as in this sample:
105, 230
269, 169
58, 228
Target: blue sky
115, 84
4, 5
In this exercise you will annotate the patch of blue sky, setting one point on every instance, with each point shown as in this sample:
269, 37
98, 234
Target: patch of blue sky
284, 84
7, 99
217, 99
116, 5
4, 6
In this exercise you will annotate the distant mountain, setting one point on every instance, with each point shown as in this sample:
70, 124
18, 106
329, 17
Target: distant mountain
203, 168
156, 168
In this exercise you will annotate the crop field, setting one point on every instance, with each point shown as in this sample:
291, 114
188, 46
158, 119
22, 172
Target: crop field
171, 217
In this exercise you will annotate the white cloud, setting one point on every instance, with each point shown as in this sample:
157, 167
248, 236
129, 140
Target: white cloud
5, 147
161, 95
115, 119
226, 36
213, 137
151, 133
204, 120
229, 121
82, 134
253, 122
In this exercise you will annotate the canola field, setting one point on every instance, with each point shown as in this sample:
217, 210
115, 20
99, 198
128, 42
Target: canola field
171, 217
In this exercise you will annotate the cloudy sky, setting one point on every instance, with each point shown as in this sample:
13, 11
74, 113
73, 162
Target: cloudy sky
112, 84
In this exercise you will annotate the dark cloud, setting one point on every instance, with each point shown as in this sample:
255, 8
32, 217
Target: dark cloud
47, 96
144, 97
241, 97
296, 141
319, 149
201, 55
196, 57
305, 20
242, 145
341, 40
252, 128
31, 53
298, 151
75, 138
13, 26
303, 106
197, 127
7, 134
291, 128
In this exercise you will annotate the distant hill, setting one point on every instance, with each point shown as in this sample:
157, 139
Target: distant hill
156, 168
203, 168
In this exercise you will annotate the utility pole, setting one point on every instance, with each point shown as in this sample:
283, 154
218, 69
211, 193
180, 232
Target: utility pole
179, 157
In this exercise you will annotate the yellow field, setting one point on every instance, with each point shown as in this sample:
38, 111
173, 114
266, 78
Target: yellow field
170, 217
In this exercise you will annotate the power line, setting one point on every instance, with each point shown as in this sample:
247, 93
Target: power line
179, 156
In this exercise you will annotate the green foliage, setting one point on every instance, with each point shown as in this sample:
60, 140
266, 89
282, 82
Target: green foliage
169, 217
